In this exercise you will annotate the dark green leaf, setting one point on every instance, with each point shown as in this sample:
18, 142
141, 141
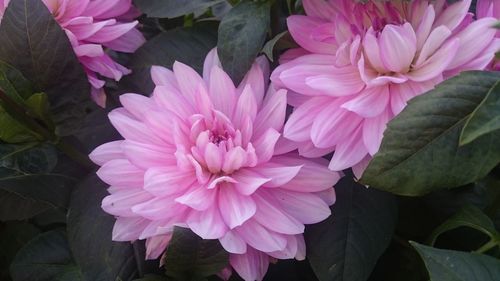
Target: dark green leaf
187, 45
13, 236
26, 170
189, 257
14, 84
34, 43
89, 235
12, 131
348, 244
151, 277
446, 265
242, 32
45, 258
16, 207
420, 151
469, 216
173, 8
485, 118
269, 46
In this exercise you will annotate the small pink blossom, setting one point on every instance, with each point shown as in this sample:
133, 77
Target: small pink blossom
93, 26
203, 154
360, 63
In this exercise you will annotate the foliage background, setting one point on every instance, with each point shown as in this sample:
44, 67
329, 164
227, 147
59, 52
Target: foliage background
432, 212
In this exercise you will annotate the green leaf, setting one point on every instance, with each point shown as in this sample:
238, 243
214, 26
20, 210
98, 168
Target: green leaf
26, 170
173, 8
151, 277
12, 131
34, 43
420, 152
242, 32
13, 236
187, 45
468, 216
189, 257
14, 84
45, 258
347, 245
269, 46
485, 118
447, 265
16, 207
89, 236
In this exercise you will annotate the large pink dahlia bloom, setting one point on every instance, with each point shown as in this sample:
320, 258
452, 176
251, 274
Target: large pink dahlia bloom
205, 155
360, 64
93, 26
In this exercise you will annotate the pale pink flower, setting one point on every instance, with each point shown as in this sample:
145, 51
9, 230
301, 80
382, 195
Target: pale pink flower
93, 26
360, 64
205, 155
490, 8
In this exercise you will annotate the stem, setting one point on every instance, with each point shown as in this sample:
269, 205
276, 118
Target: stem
138, 259
488, 246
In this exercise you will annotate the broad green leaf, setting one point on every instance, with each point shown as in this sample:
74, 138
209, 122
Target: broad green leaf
16, 207
485, 118
12, 131
26, 170
189, 257
347, 245
34, 43
14, 84
151, 277
468, 216
420, 151
45, 258
242, 33
447, 265
186, 45
13, 236
269, 46
173, 8
89, 235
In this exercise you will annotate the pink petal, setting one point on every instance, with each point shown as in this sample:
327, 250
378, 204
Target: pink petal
198, 197
373, 131
425, 26
370, 102
232, 243
247, 181
264, 145
319, 9
157, 208
155, 246
162, 76
435, 40
301, 28
167, 181
107, 152
207, 224
257, 81
272, 114
128, 229
121, 172
349, 152
188, 81
341, 82
436, 64
473, 40
235, 208
132, 129
270, 215
222, 91
453, 15
246, 106
298, 125
211, 60
278, 173
122, 202
128, 42
398, 45
250, 266
261, 238
145, 155
308, 208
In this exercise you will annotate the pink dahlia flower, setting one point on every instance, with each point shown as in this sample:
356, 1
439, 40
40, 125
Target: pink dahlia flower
205, 155
93, 26
490, 8
360, 64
